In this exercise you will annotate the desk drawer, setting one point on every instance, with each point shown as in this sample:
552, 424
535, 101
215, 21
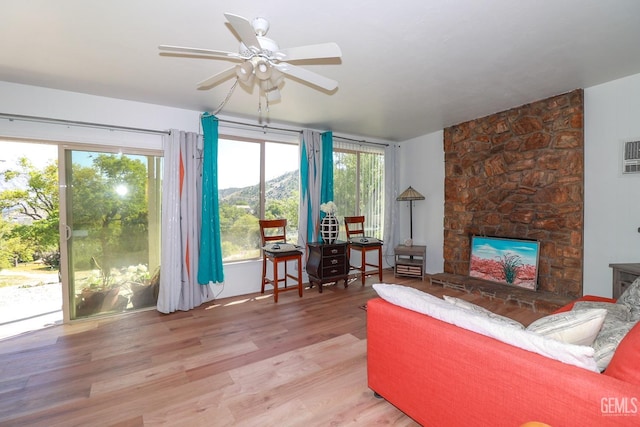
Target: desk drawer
333, 261
334, 250
333, 270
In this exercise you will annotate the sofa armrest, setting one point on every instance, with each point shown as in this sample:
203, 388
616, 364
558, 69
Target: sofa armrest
593, 298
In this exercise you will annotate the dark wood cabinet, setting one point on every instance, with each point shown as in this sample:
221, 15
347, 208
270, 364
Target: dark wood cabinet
328, 263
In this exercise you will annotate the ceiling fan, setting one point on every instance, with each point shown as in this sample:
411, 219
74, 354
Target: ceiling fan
261, 59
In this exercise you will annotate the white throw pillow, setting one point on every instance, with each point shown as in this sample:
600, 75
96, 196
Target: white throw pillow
482, 311
573, 327
421, 302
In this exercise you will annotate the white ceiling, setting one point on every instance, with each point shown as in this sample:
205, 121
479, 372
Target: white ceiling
408, 67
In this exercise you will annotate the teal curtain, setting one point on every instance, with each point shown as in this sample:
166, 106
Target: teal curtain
326, 186
316, 182
210, 262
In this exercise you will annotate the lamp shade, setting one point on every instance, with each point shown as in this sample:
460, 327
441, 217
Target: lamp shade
409, 194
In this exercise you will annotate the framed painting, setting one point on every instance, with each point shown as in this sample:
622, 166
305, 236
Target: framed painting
512, 262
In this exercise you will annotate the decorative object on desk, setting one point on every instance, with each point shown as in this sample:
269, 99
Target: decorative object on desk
408, 242
409, 195
329, 226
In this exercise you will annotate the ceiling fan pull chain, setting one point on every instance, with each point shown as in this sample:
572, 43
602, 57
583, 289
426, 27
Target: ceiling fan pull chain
226, 98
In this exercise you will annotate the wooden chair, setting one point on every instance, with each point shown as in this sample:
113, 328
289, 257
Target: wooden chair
354, 226
273, 231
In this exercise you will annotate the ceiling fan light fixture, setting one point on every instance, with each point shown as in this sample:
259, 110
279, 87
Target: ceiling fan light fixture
262, 69
272, 95
244, 72
277, 77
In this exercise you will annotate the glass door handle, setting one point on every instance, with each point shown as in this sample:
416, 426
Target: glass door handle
67, 231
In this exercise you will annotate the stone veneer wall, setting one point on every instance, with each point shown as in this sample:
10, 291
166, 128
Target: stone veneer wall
519, 173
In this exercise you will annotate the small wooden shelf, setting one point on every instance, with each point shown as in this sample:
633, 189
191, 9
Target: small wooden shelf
623, 276
410, 261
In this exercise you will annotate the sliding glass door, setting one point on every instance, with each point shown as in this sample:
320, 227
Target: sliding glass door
111, 228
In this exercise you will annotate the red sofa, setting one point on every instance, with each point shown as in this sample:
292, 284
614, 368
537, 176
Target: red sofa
443, 375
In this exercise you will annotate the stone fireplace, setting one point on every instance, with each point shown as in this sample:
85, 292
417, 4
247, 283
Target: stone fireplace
519, 174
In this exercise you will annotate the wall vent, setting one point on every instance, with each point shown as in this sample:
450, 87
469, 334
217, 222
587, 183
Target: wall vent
631, 157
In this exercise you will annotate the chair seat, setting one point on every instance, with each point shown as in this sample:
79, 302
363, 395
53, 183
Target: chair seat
276, 252
359, 242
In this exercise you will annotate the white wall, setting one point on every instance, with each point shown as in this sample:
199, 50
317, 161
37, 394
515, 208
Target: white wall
41, 102
422, 167
612, 201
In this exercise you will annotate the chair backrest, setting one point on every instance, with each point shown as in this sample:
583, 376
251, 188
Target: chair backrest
273, 230
354, 226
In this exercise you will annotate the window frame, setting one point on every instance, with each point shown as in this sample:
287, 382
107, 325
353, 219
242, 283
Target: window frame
358, 151
262, 202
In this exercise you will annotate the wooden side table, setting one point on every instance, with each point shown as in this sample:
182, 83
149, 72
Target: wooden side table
410, 261
328, 263
623, 276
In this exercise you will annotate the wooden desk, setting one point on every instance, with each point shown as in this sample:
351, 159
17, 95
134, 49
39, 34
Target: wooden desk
623, 276
328, 263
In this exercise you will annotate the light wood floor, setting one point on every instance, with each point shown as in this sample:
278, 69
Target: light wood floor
241, 361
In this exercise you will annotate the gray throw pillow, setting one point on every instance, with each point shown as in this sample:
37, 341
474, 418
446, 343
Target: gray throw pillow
606, 342
617, 323
631, 298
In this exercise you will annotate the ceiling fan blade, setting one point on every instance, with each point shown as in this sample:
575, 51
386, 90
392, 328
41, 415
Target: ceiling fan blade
306, 75
315, 51
216, 79
244, 29
198, 51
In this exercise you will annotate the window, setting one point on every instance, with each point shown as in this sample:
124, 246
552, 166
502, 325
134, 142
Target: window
358, 185
247, 169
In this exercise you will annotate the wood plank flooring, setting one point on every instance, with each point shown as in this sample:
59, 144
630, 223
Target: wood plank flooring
241, 361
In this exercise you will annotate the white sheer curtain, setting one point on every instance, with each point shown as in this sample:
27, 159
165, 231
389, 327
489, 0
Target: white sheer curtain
181, 218
310, 182
391, 207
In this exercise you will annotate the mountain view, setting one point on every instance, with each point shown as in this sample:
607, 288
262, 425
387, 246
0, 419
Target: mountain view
280, 188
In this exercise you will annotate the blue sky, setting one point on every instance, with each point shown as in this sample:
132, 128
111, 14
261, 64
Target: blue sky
493, 248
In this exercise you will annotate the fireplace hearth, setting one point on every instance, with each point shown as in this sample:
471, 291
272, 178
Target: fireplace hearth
539, 302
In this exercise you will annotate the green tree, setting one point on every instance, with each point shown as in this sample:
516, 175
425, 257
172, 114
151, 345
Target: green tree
34, 196
110, 203
12, 247
345, 183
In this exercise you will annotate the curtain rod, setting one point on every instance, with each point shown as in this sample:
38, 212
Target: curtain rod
362, 141
263, 127
266, 127
12, 117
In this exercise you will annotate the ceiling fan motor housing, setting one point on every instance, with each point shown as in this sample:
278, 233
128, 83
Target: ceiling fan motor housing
260, 26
